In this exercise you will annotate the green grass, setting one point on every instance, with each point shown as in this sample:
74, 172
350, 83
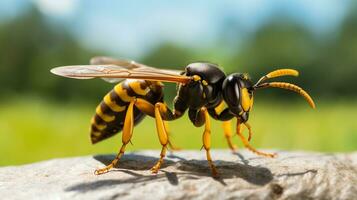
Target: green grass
34, 130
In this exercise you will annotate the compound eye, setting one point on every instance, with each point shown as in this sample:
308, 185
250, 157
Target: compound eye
231, 92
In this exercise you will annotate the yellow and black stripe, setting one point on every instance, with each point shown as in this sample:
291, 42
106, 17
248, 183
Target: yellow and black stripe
110, 113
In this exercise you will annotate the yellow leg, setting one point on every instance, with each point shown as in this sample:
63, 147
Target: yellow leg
172, 147
127, 134
247, 145
228, 134
249, 131
155, 169
145, 107
149, 109
161, 131
206, 138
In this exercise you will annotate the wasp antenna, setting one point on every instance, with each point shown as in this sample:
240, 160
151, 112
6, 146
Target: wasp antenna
278, 73
283, 72
292, 87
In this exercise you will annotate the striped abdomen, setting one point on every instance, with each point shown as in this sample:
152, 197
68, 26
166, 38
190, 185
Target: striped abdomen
110, 113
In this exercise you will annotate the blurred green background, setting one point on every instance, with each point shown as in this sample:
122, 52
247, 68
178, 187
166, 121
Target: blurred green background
43, 116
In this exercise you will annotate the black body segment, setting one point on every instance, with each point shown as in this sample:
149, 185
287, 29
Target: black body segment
110, 113
224, 115
207, 90
207, 71
197, 117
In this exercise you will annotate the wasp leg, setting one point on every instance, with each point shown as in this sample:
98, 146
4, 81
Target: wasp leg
228, 134
163, 137
206, 138
246, 143
149, 109
249, 131
159, 111
126, 137
172, 147
223, 114
199, 118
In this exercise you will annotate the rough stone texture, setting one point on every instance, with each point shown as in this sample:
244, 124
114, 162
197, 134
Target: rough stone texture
185, 175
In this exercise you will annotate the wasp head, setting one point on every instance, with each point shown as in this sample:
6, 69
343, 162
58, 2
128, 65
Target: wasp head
237, 91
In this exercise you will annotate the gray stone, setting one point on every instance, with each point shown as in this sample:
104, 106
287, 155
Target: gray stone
185, 175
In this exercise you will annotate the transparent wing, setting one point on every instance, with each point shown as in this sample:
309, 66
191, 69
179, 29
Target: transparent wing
127, 64
103, 60
115, 73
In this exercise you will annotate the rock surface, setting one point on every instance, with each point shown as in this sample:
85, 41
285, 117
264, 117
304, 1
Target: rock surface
185, 175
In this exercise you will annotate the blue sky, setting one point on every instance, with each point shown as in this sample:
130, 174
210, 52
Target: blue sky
132, 27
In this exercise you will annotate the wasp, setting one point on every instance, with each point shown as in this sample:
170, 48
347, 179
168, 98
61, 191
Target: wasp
202, 88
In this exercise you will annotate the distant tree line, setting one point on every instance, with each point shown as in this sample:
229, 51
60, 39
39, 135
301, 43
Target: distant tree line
30, 47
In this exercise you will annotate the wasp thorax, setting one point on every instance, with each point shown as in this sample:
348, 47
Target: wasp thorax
205, 87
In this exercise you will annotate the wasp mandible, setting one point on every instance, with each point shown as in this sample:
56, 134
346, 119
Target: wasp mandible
202, 88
